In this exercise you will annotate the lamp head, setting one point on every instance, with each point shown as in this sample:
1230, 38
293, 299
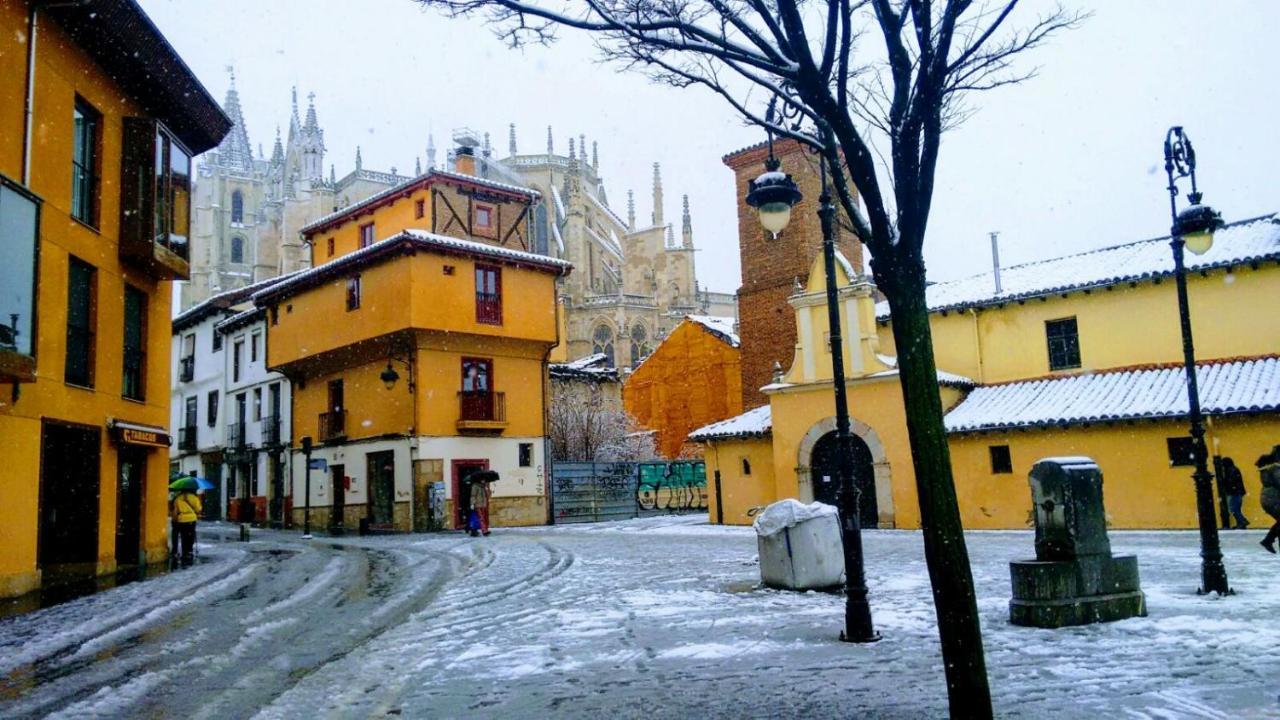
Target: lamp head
1196, 224
389, 376
773, 193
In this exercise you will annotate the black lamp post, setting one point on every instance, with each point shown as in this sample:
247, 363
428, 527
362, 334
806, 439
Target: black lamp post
1193, 230
773, 194
306, 511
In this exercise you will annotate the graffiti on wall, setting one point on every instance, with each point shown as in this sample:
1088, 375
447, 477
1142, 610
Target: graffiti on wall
591, 492
672, 487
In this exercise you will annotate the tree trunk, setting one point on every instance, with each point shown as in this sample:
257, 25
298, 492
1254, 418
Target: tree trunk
944, 544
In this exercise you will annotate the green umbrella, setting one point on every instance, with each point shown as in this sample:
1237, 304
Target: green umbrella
186, 483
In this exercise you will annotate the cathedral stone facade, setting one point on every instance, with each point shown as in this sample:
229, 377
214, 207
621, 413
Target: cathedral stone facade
633, 282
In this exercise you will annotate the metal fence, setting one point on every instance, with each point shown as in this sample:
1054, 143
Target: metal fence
594, 492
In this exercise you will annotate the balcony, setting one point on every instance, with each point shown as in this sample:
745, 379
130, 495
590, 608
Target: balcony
186, 369
235, 436
482, 412
489, 308
271, 430
187, 439
333, 426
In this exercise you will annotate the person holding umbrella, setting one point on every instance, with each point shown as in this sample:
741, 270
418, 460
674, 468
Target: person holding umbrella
480, 500
186, 511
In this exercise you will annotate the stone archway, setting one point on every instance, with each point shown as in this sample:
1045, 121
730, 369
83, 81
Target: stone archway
879, 461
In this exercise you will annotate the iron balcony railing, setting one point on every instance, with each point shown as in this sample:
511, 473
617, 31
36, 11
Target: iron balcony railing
489, 308
271, 430
186, 369
482, 406
235, 436
333, 425
187, 438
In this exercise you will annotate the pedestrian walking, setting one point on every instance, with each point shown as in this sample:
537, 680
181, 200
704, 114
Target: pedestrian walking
1232, 482
186, 510
1269, 469
480, 507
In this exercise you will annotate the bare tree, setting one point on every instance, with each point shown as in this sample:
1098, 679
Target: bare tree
585, 427
854, 79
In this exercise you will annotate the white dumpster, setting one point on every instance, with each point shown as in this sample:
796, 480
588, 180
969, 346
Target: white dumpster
800, 546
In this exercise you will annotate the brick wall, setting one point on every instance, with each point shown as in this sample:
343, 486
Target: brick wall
770, 266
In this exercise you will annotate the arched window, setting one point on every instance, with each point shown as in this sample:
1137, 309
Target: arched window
639, 344
602, 342
237, 207
237, 250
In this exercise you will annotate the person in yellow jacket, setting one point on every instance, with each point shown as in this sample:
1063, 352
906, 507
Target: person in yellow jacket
186, 510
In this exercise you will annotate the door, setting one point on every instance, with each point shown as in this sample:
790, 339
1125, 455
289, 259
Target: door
382, 488
462, 469
70, 457
132, 471
338, 514
825, 480
477, 388
213, 503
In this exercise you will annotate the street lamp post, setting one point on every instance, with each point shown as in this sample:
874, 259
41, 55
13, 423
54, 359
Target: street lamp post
773, 194
306, 507
1193, 230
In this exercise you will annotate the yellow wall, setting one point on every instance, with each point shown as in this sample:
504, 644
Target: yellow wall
62, 72
410, 292
1140, 489
740, 492
1119, 326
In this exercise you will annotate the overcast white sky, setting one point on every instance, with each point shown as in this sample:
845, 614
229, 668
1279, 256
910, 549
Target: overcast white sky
1068, 161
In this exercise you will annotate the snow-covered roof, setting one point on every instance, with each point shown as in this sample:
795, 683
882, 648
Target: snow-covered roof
721, 327
424, 178
752, 423
1226, 386
1238, 243
224, 301
845, 265
592, 367
416, 239
944, 378
239, 319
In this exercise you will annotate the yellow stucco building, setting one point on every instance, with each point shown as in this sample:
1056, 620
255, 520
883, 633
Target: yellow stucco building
417, 348
99, 120
1078, 355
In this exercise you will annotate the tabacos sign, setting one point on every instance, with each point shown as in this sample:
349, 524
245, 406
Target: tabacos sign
141, 436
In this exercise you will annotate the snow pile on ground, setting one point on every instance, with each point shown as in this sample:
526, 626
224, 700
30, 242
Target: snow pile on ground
787, 514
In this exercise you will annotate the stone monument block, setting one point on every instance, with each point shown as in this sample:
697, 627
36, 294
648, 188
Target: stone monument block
1074, 579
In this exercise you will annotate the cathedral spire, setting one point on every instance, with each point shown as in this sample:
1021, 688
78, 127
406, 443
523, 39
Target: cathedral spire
488, 149
359, 161
234, 151
417, 165
295, 126
572, 155
551, 146
657, 194
431, 152
511, 139
333, 179
595, 156
312, 125
631, 210
687, 225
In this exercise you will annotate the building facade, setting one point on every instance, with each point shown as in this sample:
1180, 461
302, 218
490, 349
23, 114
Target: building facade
1078, 355
94, 214
438, 367
692, 379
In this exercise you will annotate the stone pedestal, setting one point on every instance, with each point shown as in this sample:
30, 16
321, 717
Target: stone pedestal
1074, 579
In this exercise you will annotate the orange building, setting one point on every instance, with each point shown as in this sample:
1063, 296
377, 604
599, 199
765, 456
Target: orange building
692, 379
99, 120
417, 348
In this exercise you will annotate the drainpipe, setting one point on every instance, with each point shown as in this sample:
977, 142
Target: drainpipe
977, 346
995, 259
546, 412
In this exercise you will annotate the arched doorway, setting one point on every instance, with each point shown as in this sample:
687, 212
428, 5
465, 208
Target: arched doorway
826, 484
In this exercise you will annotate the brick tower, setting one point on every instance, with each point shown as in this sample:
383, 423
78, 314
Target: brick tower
772, 266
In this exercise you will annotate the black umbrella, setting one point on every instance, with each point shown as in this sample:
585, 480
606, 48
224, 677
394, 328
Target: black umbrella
483, 476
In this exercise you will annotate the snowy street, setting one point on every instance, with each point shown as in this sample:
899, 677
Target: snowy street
651, 618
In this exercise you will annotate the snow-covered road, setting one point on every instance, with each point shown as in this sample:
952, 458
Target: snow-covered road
652, 618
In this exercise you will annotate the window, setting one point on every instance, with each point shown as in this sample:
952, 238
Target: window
526, 454
189, 415
329, 243
639, 346
353, 293
237, 207
257, 403
134, 378
1182, 451
475, 375
1064, 343
217, 341
366, 235
155, 187
19, 217
419, 209
237, 250
84, 163
602, 343
1001, 461
253, 346
484, 217
746, 466
488, 295
237, 352
211, 408
81, 289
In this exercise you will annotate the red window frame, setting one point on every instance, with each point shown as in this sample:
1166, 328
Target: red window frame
419, 209
366, 235
488, 294
330, 244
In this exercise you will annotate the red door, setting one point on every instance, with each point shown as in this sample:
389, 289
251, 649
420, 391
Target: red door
462, 490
